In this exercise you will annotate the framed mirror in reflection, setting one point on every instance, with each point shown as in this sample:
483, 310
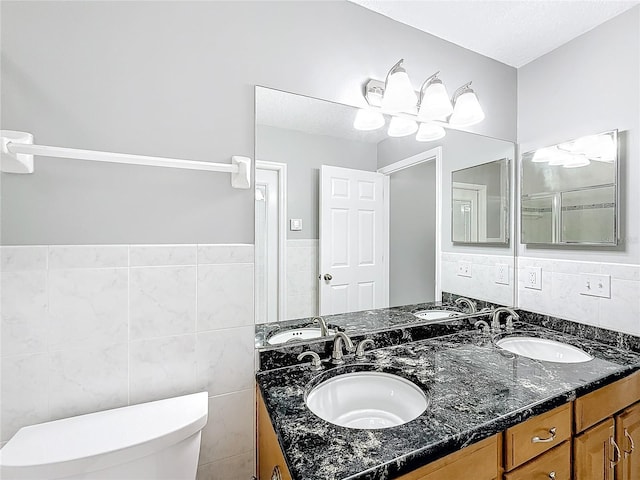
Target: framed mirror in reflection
349, 220
480, 204
570, 192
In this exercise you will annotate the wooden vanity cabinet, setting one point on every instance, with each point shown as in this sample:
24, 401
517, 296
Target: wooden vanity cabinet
593, 451
628, 440
270, 456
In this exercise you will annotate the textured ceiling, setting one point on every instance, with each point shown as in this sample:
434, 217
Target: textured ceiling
514, 32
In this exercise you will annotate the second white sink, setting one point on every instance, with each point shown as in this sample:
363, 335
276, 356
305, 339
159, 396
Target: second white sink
543, 349
436, 314
297, 334
367, 400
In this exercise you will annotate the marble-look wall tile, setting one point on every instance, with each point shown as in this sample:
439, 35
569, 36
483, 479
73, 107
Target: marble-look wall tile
87, 380
225, 360
24, 302
302, 278
23, 258
239, 467
162, 301
88, 256
87, 307
230, 429
23, 392
225, 296
162, 368
235, 253
161, 255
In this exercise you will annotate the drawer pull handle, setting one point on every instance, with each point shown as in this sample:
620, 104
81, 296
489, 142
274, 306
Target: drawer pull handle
552, 432
618, 455
552, 475
631, 444
276, 475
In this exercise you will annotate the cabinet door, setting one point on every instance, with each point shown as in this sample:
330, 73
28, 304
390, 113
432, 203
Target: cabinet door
628, 438
593, 453
270, 456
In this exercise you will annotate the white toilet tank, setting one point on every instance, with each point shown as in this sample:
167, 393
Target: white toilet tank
155, 440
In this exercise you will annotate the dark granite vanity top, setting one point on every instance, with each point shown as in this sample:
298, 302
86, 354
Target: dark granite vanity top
475, 390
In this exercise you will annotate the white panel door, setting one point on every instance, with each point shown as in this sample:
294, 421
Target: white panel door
352, 220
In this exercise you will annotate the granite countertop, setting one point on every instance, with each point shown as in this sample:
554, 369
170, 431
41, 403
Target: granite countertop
475, 390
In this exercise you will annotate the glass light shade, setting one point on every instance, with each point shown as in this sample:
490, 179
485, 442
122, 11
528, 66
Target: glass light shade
428, 132
576, 160
435, 103
559, 158
399, 95
401, 127
467, 110
367, 119
544, 154
603, 149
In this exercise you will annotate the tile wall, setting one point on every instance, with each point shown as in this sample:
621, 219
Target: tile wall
87, 328
563, 282
481, 284
302, 278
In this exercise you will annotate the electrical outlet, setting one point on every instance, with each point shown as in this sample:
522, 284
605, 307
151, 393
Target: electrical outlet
596, 285
464, 269
502, 273
533, 278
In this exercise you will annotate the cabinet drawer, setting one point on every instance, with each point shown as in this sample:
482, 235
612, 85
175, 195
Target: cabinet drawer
555, 464
537, 435
603, 403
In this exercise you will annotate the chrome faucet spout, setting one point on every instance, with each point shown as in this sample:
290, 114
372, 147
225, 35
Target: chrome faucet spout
338, 340
471, 306
495, 320
324, 331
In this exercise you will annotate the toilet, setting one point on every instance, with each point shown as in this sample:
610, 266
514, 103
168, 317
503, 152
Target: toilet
155, 440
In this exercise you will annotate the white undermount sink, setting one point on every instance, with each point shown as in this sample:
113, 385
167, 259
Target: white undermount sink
436, 314
297, 334
367, 400
543, 349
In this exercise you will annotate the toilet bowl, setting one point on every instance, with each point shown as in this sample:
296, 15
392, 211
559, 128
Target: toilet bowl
155, 440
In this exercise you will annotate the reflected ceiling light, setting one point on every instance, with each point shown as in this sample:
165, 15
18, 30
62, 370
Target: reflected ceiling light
466, 108
576, 160
401, 127
434, 100
602, 148
367, 119
428, 132
559, 158
399, 95
544, 154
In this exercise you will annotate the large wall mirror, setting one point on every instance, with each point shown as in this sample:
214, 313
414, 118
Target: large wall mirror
480, 203
570, 192
349, 220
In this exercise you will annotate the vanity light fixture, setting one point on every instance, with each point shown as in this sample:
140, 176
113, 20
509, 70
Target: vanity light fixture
401, 127
580, 152
428, 132
576, 160
466, 107
399, 95
434, 100
368, 119
543, 155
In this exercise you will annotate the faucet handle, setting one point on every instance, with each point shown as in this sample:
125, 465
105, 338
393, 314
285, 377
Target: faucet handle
315, 359
361, 346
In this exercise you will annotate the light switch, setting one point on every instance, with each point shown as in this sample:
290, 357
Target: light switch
295, 224
464, 269
596, 285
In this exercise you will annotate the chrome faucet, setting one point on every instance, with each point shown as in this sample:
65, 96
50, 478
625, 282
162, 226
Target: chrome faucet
495, 321
315, 359
361, 346
338, 339
471, 306
324, 331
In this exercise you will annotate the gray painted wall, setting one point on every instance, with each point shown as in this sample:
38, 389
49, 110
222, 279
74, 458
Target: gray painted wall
589, 85
412, 235
304, 153
176, 79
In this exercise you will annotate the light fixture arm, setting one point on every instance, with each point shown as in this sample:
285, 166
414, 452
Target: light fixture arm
432, 79
398, 66
463, 89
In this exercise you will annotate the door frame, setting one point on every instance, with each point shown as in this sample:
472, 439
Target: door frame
434, 154
281, 168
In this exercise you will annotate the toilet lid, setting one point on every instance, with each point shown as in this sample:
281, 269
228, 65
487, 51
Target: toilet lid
102, 439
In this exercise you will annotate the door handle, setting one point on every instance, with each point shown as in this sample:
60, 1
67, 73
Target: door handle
617, 453
631, 444
328, 277
551, 438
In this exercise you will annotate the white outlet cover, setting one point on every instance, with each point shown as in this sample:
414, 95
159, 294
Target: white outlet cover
502, 273
533, 278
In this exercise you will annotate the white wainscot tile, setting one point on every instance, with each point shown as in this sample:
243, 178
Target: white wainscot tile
23, 258
88, 256
87, 307
621, 312
85, 380
159, 255
225, 360
621, 272
575, 268
239, 467
162, 368
567, 301
225, 296
230, 429
162, 301
24, 312
214, 254
23, 398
